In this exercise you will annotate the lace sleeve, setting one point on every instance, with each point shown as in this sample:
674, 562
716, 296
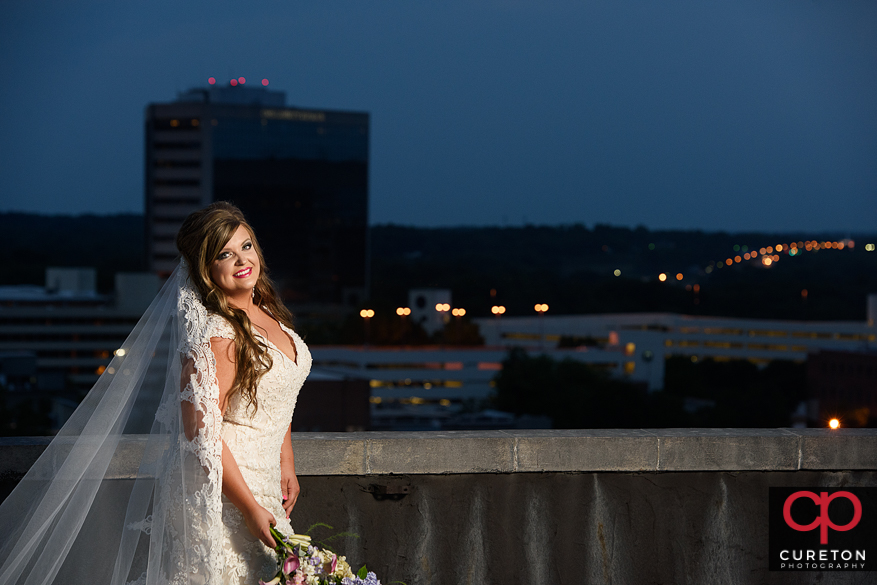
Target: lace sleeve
218, 327
72, 516
191, 482
199, 391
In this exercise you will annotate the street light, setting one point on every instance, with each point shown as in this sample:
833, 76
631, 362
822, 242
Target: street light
366, 315
403, 312
497, 310
541, 309
442, 309
458, 316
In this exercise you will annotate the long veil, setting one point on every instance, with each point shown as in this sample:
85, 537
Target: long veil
81, 516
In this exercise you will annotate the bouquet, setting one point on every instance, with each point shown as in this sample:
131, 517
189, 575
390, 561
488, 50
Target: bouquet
302, 563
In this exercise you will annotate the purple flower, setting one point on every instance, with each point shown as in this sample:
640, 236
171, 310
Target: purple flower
291, 564
370, 579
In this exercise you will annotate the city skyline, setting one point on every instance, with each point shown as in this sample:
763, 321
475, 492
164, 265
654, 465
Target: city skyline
727, 117
290, 171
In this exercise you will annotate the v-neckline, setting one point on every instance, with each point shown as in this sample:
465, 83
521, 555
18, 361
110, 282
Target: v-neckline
274, 345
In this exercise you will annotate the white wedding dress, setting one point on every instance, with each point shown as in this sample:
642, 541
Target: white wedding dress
255, 440
168, 523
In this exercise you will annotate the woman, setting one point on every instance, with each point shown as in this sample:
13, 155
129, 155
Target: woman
260, 366
202, 394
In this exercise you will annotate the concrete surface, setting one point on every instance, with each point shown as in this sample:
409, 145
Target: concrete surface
623, 507
585, 450
622, 450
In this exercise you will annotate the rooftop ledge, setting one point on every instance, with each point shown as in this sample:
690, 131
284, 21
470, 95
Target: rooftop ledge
535, 451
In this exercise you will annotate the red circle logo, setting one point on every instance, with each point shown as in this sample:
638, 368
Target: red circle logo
823, 522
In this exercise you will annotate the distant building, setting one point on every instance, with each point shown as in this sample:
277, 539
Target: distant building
299, 175
69, 329
332, 403
57, 340
427, 373
423, 303
631, 346
426, 387
635, 345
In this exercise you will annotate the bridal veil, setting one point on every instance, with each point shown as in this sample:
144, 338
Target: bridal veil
81, 515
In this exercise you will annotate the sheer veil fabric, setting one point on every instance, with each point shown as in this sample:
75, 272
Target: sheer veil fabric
80, 516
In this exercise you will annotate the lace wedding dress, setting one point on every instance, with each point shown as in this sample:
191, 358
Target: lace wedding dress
255, 440
79, 515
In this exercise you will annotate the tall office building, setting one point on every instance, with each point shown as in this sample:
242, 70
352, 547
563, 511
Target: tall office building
299, 175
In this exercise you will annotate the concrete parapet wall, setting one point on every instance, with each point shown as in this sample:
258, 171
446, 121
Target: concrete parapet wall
535, 451
635, 450
537, 507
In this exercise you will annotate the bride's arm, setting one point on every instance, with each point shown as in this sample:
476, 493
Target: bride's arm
234, 486
258, 519
288, 480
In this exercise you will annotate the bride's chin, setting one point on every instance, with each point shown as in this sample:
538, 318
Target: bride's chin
238, 292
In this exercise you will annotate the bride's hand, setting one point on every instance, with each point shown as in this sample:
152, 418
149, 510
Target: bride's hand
289, 488
259, 521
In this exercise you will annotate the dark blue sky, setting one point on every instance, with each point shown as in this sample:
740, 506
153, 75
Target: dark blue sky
721, 115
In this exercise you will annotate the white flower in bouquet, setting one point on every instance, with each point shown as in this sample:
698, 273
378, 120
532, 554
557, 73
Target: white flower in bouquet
302, 563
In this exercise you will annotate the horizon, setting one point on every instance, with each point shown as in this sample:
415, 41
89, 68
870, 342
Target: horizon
591, 227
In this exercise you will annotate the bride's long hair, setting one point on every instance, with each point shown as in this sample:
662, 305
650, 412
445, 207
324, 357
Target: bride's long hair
201, 238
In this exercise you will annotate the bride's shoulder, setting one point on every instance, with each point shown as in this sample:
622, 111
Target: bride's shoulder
218, 326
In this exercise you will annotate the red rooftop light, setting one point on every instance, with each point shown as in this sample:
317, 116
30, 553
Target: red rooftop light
211, 80
233, 82
241, 80
265, 82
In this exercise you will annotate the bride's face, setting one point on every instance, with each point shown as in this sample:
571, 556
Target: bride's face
236, 269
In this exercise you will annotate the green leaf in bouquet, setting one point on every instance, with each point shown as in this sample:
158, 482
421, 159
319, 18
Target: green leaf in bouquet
362, 573
324, 544
317, 525
341, 535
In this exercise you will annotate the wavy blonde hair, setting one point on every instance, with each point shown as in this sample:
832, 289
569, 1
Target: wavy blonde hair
201, 238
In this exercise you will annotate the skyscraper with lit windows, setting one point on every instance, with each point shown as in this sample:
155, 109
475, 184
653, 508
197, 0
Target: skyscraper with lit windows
299, 175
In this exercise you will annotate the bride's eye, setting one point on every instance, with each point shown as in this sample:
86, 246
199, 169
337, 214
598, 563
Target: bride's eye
248, 245
223, 255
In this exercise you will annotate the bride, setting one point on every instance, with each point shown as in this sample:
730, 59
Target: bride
217, 354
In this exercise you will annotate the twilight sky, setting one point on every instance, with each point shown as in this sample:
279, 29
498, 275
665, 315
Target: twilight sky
714, 114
